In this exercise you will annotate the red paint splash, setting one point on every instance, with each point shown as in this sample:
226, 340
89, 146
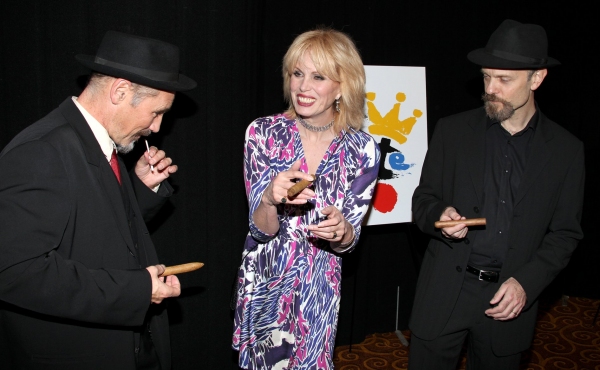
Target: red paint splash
385, 197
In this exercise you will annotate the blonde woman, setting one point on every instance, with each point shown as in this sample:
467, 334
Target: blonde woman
288, 291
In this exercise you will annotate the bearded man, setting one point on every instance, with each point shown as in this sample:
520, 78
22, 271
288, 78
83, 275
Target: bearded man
508, 163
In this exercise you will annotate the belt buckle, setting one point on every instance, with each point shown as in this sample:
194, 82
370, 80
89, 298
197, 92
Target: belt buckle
481, 274
490, 276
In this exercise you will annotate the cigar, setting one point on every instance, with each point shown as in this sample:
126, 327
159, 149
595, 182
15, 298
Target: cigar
299, 186
468, 222
180, 269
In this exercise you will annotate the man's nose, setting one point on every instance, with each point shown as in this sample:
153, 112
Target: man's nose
155, 126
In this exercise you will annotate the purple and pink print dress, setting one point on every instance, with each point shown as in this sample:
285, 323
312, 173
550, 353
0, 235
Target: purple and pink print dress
288, 292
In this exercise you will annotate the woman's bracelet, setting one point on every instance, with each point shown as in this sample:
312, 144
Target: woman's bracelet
351, 240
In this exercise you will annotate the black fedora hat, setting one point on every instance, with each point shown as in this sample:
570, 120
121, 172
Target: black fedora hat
515, 45
141, 60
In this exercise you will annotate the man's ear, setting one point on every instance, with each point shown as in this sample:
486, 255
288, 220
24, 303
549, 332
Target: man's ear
537, 78
119, 90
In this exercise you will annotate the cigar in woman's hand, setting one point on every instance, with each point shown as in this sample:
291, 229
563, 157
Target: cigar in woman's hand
299, 186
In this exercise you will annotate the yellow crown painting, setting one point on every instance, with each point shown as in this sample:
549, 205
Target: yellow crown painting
391, 125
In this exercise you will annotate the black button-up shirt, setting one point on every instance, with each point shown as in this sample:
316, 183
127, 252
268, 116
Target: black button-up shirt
505, 161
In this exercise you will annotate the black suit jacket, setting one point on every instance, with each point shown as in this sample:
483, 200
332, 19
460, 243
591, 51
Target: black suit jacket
545, 227
73, 288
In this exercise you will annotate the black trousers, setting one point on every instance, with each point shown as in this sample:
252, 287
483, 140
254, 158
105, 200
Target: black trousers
146, 357
468, 321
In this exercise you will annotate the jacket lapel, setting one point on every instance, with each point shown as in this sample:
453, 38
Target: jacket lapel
476, 153
102, 169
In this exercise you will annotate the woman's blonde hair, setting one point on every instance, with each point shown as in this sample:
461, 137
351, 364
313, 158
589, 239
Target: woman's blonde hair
335, 56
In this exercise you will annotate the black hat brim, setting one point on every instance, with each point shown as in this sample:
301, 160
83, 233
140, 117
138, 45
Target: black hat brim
183, 83
485, 59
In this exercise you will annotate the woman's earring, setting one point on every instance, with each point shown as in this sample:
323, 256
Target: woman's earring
337, 105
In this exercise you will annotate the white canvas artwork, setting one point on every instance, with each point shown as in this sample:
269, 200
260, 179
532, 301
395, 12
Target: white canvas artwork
397, 119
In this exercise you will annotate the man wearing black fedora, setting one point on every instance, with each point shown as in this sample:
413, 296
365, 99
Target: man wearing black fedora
508, 163
79, 275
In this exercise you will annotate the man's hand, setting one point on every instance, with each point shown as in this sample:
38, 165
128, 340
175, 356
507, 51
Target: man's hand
161, 288
509, 300
453, 232
163, 167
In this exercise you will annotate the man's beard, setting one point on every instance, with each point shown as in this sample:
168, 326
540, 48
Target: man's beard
129, 147
123, 149
497, 114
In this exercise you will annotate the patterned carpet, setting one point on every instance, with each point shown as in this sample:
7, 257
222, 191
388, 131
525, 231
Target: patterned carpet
565, 338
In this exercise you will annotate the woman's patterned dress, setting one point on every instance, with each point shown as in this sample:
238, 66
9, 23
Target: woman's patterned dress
288, 291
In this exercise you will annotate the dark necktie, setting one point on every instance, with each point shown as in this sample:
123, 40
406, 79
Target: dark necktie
114, 163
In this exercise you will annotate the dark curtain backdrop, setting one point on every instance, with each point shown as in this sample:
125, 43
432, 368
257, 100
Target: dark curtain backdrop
233, 49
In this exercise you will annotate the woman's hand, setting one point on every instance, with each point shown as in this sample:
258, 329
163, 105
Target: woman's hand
335, 228
276, 192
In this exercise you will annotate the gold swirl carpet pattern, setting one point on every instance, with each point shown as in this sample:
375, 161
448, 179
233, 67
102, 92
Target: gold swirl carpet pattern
566, 338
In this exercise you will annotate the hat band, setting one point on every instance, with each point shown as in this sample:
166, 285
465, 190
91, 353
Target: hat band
154, 75
517, 58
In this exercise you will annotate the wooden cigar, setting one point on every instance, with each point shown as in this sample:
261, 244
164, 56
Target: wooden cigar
298, 187
468, 222
180, 269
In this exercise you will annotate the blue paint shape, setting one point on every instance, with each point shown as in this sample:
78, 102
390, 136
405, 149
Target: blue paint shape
396, 161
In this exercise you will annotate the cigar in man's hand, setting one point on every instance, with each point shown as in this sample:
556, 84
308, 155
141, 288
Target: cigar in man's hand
467, 221
180, 269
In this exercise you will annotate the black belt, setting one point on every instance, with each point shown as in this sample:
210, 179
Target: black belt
491, 276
